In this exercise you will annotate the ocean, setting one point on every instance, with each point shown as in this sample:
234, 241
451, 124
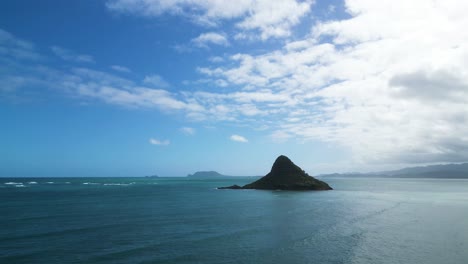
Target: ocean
178, 220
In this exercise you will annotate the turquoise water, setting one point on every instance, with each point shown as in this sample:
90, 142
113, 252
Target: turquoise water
161, 220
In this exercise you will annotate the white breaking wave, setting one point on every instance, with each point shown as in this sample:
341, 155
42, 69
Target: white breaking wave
13, 183
119, 184
32, 182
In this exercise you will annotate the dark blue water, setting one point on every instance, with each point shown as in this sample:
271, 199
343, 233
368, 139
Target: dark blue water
143, 220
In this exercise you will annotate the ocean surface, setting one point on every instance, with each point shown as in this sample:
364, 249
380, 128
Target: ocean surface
177, 220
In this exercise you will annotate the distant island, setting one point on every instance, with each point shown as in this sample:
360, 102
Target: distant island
152, 176
206, 175
447, 171
285, 175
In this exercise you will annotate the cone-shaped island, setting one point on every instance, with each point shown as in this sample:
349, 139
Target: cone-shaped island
285, 175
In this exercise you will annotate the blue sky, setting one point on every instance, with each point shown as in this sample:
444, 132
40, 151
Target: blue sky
141, 87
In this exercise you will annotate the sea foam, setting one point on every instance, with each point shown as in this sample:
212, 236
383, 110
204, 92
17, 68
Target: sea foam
13, 183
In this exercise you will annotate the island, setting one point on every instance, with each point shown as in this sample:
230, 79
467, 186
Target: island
206, 175
285, 175
441, 171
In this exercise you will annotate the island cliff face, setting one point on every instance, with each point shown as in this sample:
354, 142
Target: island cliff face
285, 175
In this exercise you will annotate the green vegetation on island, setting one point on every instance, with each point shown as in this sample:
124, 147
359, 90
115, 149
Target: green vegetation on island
285, 175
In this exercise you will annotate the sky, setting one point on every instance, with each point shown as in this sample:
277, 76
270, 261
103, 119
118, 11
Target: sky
143, 87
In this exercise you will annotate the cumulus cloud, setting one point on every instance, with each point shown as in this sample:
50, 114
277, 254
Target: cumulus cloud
273, 19
157, 142
238, 138
389, 83
205, 39
68, 55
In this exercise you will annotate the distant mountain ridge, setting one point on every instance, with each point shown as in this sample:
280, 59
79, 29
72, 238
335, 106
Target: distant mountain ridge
206, 174
446, 171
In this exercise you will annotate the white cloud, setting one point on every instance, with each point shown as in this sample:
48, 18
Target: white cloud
273, 19
188, 130
114, 90
238, 138
153, 141
203, 40
68, 55
13, 47
182, 48
390, 83
87, 75
280, 136
137, 97
84, 83
120, 68
433, 86
156, 81
216, 59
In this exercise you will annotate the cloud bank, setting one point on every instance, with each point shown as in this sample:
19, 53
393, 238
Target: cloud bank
390, 83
